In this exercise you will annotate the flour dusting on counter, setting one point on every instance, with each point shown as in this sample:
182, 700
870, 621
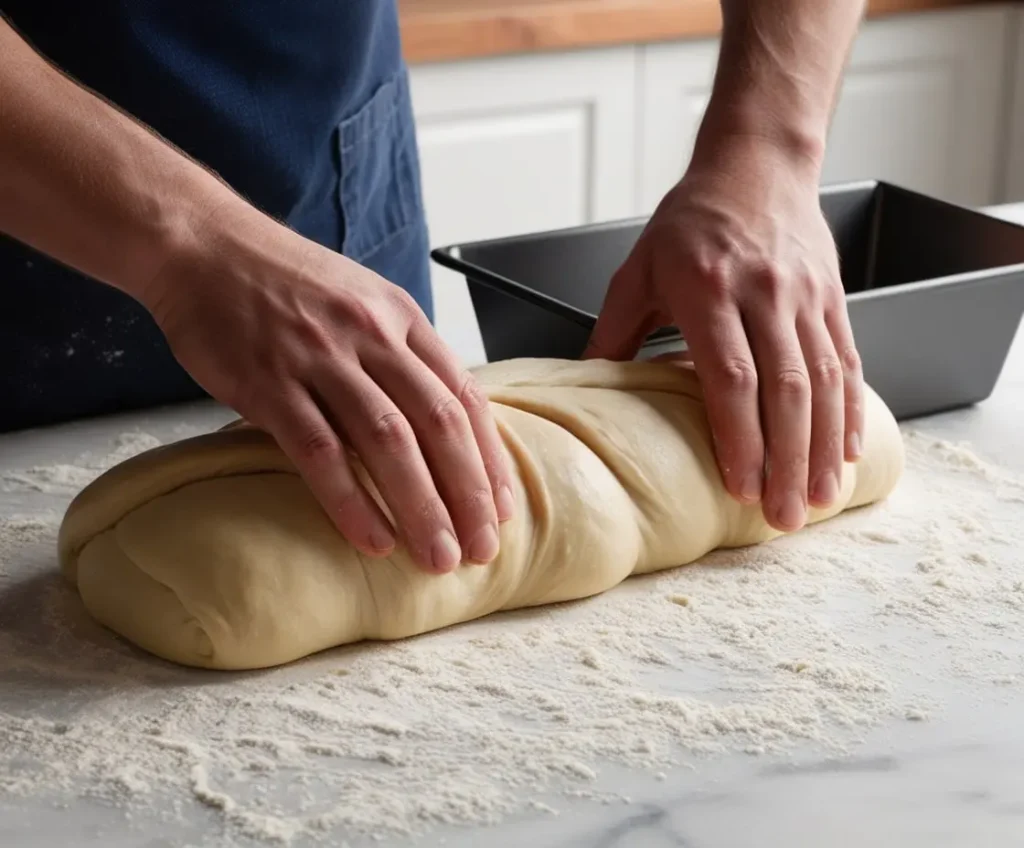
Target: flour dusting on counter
69, 478
809, 640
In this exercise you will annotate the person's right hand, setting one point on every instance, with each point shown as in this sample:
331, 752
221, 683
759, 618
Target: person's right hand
740, 258
330, 358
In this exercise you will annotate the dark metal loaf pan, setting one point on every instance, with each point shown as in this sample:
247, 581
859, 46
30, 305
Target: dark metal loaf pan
935, 291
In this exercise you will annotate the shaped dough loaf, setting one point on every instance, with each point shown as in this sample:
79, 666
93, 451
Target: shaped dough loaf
212, 552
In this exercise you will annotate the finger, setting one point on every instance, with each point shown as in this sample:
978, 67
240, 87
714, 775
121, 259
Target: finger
825, 460
837, 321
624, 321
448, 443
310, 442
674, 356
434, 353
725, 366
386, 444
786, 414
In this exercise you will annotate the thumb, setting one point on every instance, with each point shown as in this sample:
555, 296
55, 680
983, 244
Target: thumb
625, 319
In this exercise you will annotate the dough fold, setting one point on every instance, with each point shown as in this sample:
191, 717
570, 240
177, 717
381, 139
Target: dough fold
211, 551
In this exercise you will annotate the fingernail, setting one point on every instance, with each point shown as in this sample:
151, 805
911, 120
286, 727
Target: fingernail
751, 488
793, 512
381, 541
855, 448
445, 553
484, 546
505, 504
826, 489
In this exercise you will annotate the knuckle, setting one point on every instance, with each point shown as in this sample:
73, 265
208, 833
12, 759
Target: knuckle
835, 295
391, 433
826, 448
827, 374
770, 278
736, 376
433, 516
785, 464
317, 445
811, 278
832, 452
810, 292
849, 356
472, 396
477, 503
309, 332
792, 383
371, 323
790, 469
447, 418
404, 302
717, 277
497, 466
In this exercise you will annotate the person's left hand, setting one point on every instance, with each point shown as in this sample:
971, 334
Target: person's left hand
740, 258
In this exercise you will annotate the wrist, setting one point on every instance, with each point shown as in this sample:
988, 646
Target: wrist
203, 229
794, 142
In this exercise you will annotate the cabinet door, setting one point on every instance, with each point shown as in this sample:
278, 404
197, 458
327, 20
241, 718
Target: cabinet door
921, 106
519, 144
1015, 142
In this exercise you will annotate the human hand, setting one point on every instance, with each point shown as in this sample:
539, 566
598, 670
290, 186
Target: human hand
333, 360
740, 258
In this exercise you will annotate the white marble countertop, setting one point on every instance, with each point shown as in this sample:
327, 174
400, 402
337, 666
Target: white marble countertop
953, 780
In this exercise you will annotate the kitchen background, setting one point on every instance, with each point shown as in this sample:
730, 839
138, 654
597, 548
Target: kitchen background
554, 113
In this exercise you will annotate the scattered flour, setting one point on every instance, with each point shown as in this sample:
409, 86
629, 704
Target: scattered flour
19, 531
810, 640
69, 478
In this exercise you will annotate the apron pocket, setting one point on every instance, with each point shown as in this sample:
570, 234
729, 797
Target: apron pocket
379, 190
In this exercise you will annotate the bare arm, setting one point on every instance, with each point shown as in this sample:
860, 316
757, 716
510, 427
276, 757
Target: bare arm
88, 185
317, 350
779, 71
740, 258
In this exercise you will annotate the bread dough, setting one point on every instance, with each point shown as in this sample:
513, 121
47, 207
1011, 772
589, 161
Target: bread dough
212, 552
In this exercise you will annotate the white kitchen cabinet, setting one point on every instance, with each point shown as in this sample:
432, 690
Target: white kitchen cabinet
922, 105
1015, 118
517, 144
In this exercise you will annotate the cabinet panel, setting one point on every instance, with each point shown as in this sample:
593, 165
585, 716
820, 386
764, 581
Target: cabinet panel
483, 176
675, 86
518, 144
921, 105
883, 116
1015, 123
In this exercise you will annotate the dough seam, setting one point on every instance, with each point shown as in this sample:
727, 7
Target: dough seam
363, 564
587, 436
73, 553
191, 616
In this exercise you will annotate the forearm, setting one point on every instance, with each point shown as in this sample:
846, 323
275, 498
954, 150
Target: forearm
86, 184
779, 72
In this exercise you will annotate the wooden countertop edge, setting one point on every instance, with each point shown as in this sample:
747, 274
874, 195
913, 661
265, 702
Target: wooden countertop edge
449, 30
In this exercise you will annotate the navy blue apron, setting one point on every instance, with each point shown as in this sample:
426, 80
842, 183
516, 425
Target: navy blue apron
303, 108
